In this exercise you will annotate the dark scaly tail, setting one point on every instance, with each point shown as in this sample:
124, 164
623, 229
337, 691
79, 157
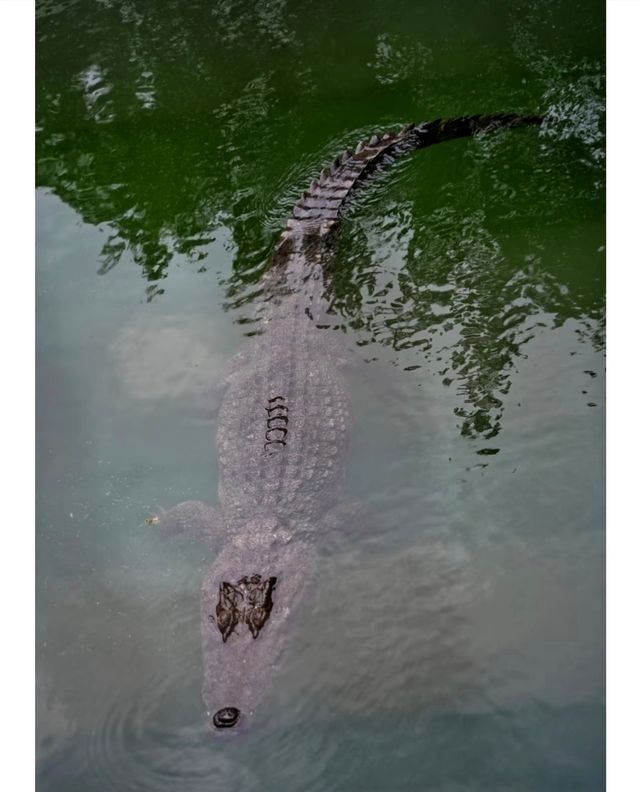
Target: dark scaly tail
320, 207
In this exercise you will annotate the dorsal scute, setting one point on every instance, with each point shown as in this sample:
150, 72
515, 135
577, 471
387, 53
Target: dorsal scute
320, 205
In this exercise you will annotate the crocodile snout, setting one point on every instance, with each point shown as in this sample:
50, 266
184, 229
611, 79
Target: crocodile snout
226, 717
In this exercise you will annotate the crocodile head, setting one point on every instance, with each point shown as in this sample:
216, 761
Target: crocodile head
247, 598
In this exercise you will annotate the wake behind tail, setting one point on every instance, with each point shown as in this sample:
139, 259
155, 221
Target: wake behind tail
320, 207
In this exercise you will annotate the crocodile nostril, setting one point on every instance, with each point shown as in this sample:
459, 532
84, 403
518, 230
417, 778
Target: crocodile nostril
225, 717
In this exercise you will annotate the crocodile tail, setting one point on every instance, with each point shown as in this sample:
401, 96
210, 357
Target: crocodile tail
321, 205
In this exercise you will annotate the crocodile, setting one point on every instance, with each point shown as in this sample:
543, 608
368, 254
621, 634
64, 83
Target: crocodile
283, 430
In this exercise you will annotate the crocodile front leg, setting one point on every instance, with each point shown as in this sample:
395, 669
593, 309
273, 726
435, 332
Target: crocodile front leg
192, 518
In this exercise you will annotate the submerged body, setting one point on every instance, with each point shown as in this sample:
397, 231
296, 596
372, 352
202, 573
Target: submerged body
284, 421
283, 430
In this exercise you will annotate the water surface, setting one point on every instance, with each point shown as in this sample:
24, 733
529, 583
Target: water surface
456, 639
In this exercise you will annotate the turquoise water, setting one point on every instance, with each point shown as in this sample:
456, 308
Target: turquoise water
456, 639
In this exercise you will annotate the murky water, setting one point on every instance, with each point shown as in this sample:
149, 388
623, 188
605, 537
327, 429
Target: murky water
456, 637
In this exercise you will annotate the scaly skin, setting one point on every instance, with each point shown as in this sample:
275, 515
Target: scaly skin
283, 430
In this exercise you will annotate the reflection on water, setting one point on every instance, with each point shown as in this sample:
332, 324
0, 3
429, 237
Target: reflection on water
456, 633
447, 291
166, 161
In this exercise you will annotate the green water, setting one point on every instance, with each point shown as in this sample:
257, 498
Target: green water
456, 641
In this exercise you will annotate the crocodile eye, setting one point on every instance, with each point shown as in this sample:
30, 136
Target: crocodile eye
226, 717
